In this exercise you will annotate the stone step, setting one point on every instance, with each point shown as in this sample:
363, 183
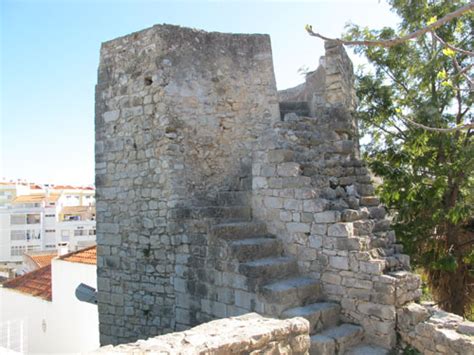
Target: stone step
336, 340
321, 315
232, 198
256, 248
292, 292
275, 268
239, 230
365, 349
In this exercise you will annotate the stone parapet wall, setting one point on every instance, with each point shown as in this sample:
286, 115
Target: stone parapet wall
432, 331
247, 334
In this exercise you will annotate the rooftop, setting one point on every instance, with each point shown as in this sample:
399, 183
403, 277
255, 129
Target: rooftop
35, 283
84, 256
35, 198
42, 259
38, 282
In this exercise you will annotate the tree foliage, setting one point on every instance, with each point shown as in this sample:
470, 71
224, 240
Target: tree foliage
427, 174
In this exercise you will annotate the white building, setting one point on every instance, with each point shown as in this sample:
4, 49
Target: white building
34, 218
39, 312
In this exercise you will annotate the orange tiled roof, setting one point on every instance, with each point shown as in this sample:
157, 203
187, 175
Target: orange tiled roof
36, 283
29, 198
64, 187
84, 256
35, 198
42, 259
70, 187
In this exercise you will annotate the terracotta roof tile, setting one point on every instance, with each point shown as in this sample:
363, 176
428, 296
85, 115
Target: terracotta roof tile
83, 256
42, 259
36, 283
35, 198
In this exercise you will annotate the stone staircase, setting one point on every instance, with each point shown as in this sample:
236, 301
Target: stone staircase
283, 292
350, 191
276, 288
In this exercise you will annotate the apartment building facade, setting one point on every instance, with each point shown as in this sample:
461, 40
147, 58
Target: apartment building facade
38, 218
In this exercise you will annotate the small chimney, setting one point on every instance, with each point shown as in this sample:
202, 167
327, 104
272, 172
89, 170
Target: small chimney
63, 248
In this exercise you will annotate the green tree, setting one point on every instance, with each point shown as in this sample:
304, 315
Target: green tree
416, 106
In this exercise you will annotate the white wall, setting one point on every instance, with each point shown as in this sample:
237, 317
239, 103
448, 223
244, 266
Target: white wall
76, 323
70, 325
18, 310
4, 236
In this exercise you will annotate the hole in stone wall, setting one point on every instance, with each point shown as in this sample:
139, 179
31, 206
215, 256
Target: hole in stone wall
148, 81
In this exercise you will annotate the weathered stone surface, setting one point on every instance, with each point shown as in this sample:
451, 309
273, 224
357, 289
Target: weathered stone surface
246, 334
367, 350
430, 330
196, 165
323, 345
345, 336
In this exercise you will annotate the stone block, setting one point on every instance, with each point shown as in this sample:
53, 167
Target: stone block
319, 228
314, 205
280, 156
259, 183
374, 267
376, 310
339, 262
315, 241
322, 345
273, 202
327, 217
341, 230
288, 169
298, 227
110, 116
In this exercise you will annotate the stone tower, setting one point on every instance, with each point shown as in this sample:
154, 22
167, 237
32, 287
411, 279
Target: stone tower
217, 195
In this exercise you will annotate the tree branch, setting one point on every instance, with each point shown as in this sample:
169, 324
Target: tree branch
450, 46
434, 129
395, 41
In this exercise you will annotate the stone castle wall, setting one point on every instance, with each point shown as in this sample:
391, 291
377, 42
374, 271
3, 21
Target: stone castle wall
189, 135
177, 115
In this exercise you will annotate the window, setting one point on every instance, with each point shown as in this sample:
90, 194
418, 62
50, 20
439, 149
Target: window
50, 246
91, 231
50, 215
79, 232
17, 235
33, 218
17, 250
18, 219
33, 235
30, 218
50, 230
65, 233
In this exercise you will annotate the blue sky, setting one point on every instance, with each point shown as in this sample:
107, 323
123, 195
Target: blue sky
50, 51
